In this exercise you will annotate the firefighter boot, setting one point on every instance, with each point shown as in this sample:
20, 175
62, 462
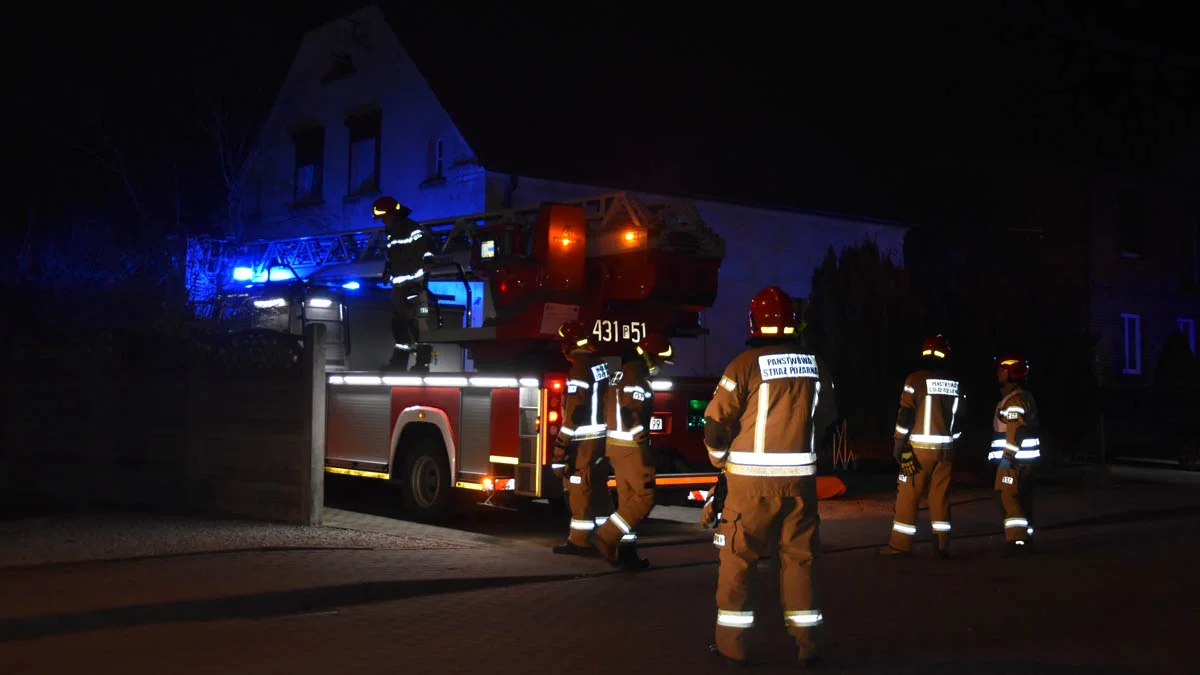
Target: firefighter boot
1016, 548
607, 551
892, 552
627, 558
807, 659
399, 362
729, 662
569, 548
424, 356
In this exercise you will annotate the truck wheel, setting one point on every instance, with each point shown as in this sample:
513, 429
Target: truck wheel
426, 488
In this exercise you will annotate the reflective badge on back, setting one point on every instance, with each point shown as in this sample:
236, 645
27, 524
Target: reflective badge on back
941, 387
599, 372
780, 366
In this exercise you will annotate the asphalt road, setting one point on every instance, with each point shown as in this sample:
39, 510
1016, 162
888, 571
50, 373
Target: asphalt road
1119, 595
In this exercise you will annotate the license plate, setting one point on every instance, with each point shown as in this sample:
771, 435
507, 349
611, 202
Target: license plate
656, 424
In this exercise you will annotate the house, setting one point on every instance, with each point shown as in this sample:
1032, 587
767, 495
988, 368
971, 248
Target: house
355, 119
1143, 258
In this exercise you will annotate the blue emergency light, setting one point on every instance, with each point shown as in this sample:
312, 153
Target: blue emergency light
248, 274
351, 285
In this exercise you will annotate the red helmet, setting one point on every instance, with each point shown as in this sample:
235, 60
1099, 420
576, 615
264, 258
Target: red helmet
573, 335
1015, 364
937, 347
386, 206
772, 313
656, 349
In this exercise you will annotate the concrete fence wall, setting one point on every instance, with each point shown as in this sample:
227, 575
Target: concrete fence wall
195, 432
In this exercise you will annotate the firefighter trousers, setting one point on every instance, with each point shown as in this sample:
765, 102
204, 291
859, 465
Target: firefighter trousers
587, 490
934, 476
633, 467
1016, 500
409, 308
761, 514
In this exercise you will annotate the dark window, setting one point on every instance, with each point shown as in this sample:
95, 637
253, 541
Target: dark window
365, 152
1131, 223
310, 164
1133, 344
437, 158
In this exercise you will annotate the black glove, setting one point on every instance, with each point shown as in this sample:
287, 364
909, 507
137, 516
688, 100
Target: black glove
715, 504
908, 462
561, 454
898, 446
642, 436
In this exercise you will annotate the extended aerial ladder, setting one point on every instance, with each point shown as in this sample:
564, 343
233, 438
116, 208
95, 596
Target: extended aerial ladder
638, 261
220, 262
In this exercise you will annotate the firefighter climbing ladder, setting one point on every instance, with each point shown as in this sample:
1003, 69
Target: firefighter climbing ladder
211, 260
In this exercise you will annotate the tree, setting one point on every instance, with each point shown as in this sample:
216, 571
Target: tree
862, 320
238, 147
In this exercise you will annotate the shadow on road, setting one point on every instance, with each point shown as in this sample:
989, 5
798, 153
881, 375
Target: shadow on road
255, 606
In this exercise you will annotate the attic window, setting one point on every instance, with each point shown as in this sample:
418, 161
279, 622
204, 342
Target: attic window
342, 67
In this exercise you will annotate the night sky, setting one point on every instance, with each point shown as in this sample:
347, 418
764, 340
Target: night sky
882, 113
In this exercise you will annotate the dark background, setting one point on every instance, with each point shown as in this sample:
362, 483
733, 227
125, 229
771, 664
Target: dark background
912, 114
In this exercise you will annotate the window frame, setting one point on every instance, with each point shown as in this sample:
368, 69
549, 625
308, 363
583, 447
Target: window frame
363, 126
1132, 366
1187, 326
309, 144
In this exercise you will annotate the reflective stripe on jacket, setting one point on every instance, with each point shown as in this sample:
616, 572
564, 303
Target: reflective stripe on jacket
408, 247
930, 406
778, 397
628, 406
587, 384
1015, 427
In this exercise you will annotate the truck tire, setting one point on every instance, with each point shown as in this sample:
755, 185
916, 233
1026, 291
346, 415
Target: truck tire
425, 482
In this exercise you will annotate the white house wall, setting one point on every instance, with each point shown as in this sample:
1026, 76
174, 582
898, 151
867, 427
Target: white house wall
762, 247
411, 117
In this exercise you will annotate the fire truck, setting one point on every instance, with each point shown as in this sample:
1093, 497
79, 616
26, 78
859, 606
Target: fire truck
485, 417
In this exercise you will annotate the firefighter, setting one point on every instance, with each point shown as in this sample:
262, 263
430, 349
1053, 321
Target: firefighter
580, 441
1017, 449
926, 430
627, 411
772, 403
409, 254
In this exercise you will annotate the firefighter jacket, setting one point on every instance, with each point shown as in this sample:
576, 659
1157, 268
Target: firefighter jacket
628, 406
1015, 428
930, 407
409, 247
777, 399
583, 409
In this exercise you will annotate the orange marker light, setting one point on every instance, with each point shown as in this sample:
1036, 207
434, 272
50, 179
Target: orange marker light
630, 235
553, 416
